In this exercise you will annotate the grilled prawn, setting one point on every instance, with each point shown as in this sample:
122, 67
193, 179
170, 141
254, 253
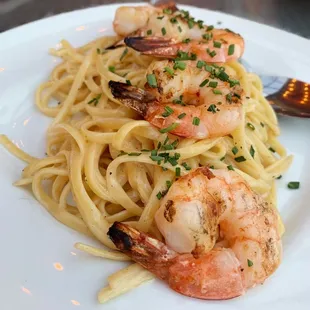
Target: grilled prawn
164, 32
188, 102
221, 237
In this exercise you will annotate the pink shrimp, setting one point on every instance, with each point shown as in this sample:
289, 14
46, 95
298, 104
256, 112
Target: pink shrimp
165, 32
192, 102
221, 237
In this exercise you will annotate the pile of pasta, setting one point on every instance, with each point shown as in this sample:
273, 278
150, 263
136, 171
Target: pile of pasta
98, 168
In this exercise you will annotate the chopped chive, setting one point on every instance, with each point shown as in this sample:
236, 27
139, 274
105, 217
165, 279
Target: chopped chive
196, 121
200, 24
190, 23
262, 124
251, 126
177, 171
166, 140
211, 167
169, 71
125, 52
179, 65
145, 150
200, 64
204, 83
212, 108
128, 82
98, 51
163, 31
250, 263
212, 54
230, 167
149, 32
293, 185
209, 68
160, 17
167, 11
252, 151
173, 20
157, 158
112, 69
169, 128
122, 153
221, 159
179, 28
240, 159
279, 177
159, 195
213, 84
186, 166
151, 79
153, 152
272, 150
168, 184
181, 115
175, 143
159, 145
186, 40
234, 150
217, 92
233, 83
179, 101
209, 28
95, 100
217, 44
207, 36
168, 111
185, 56
134, 154
231, 49
223, 76
229, 97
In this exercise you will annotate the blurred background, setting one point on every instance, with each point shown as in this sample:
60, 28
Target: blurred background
291, 15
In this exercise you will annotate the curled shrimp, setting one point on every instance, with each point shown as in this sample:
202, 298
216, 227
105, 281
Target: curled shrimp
165, 32
192, 102
197, 259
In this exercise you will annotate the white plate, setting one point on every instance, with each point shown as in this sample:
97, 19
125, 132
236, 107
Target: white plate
32, 241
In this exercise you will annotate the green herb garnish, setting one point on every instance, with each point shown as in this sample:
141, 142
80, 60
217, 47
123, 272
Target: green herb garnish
231, 49
181, 115
169, 128
212, 108
125, 52
234, 150
204, 83
293, 185
240, 159
151, 80
196, 121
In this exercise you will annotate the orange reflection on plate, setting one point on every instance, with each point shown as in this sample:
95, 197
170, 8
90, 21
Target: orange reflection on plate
80, 28
58, 266
74, 302
25, 290
2, 69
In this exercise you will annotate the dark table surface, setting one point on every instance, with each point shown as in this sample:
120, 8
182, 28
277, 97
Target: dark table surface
291, 15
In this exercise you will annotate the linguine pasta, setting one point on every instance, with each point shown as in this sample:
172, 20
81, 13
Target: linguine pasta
99, 151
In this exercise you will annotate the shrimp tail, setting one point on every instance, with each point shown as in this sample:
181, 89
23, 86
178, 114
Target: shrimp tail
150, 253
154, 46
131, 96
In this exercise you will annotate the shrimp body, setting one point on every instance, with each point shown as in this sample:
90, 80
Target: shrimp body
202, 112
215, 275
221, 237
202, 201
163, 34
